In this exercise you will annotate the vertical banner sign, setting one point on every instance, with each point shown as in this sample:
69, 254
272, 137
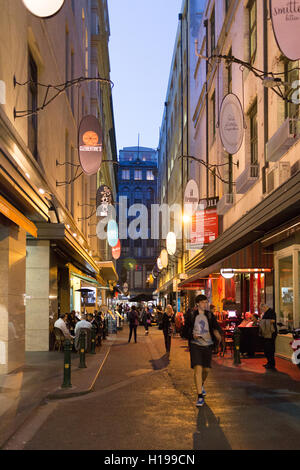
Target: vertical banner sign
285, 15
44, 8
205, 228
90, 145
231, 124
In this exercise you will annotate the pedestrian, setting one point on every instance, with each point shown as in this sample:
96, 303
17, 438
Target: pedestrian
133, 318
268, 331
167, 327
203, 331
146, 319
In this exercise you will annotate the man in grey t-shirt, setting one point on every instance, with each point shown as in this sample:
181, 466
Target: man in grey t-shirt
203, 327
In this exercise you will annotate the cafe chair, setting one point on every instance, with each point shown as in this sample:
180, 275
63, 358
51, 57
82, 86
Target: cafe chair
59, 339
228, 342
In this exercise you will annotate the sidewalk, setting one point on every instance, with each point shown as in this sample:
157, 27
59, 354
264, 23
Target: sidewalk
40, 380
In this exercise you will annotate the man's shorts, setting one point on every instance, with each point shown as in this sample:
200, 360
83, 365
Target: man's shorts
201, 355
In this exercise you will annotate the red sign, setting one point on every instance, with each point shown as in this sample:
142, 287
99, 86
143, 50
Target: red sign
116, 250
205, 228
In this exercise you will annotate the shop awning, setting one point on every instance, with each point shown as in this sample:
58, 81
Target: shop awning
281, 233
17, 217
107, 270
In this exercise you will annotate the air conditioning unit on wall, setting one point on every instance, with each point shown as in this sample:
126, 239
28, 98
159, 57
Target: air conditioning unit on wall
225, 203
286, 136
277, 175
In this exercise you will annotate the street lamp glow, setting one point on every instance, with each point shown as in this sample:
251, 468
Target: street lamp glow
43, 8
186, 218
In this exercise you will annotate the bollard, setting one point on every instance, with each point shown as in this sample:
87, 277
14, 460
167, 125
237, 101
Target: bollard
82, 364
93, 340
236, 343
67, 364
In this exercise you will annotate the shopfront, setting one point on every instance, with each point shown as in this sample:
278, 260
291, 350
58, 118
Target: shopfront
285, 242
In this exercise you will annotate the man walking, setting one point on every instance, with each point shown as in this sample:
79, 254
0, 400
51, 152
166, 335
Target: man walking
268, 330
133, 318
203, 330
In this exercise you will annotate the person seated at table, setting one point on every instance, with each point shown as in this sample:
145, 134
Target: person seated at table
247, 321
83, 323
91, 318
61, 325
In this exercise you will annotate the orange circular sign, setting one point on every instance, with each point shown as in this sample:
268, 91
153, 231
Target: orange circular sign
90, 138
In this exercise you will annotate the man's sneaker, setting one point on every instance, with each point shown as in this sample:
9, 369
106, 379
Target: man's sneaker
203, 391
200, 402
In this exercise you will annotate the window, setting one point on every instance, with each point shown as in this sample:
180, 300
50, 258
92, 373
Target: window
32, 105
150, 175
252, 30
125, 174
138, 175
212, 31
253, 135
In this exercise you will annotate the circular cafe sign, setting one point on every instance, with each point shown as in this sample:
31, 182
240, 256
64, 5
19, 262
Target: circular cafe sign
285, 17
191, 198
171, 243
112, 233
43, 8
116, 250
231, 124
90, 145
164, 258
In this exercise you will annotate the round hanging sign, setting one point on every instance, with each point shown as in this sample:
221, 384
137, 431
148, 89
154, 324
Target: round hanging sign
285, 20
112, 233
116, 250
90, 145
191, 197
164, 258
104, 199
44, 8
159, 264
171, 243
231, 124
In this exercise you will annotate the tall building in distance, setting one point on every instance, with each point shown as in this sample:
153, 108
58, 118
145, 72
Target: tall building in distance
138, 183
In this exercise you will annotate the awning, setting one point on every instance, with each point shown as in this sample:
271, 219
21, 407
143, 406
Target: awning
107, 270
17, 217
282, 233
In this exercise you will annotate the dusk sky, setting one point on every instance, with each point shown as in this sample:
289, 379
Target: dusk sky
141, 48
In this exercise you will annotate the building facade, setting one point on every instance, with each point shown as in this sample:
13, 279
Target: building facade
49, 247
138, 184
255, 191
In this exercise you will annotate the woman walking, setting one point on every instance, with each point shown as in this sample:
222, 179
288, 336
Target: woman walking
167, 320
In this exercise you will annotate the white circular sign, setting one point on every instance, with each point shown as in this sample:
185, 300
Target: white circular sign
191, 198
43, 8
231, 124
171, 243
286, 20
159, 264
164, 258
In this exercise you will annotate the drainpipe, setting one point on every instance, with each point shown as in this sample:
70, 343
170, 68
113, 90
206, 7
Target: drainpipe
266, 95
207, 115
